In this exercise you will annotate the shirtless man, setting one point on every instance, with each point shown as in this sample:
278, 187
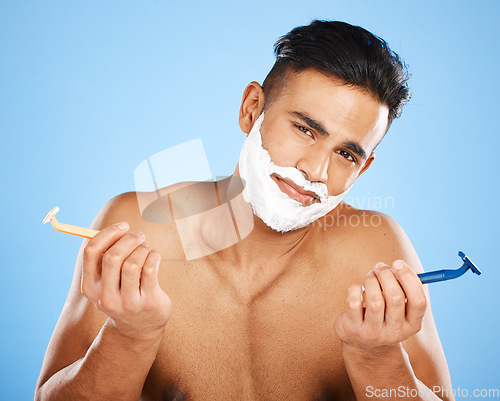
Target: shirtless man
265, 318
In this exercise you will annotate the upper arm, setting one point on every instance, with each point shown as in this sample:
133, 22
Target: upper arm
80, 321
424, 348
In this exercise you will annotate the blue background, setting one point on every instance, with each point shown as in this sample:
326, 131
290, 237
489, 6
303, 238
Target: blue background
90, 89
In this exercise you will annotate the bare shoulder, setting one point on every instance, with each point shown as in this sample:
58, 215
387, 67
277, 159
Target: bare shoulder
370, 237
155, 213
122, 207
150, 213
131, 204
80, 321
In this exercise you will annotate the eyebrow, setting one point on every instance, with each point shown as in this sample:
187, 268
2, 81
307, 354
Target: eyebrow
311, 122
352, 146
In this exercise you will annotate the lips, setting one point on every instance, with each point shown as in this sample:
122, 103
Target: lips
306, 198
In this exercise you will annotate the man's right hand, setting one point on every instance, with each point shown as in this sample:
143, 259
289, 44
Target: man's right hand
120, 277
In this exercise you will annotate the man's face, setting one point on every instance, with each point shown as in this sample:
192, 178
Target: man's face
323, 128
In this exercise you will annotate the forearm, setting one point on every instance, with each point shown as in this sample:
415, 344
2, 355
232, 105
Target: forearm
114, 367
386, 374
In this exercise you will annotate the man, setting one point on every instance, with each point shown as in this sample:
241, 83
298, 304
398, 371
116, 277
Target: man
265, 318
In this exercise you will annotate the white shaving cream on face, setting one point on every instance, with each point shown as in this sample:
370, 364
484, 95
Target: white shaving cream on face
274, 207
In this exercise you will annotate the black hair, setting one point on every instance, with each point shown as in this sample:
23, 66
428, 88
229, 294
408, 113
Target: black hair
349, 53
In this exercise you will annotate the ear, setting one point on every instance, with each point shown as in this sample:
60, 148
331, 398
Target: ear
367, 164
251, 106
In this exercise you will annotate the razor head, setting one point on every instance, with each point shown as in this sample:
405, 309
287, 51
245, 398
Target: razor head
50, 215
469, 263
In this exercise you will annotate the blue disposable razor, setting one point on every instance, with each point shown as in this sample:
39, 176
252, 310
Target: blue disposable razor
447, 274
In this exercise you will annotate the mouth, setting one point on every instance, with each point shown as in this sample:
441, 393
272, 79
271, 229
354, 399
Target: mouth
306, 198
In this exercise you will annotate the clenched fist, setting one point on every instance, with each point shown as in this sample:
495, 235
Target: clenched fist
120, 276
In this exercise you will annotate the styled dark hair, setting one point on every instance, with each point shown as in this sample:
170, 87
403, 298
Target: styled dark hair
347, 52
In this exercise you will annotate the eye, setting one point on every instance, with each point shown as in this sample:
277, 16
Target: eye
347, 155
304, 130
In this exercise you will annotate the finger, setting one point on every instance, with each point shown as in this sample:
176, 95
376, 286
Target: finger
415, 294
354, 305
394, 297
93, 253
149, 275
374, 302
131, 275
112, 261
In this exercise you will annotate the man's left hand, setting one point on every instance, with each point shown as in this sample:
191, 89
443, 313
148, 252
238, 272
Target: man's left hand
387, 310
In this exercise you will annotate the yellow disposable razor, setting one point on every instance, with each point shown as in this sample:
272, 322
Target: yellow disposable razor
67, 228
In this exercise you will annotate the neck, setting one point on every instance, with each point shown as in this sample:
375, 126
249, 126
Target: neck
265, 244
258, 244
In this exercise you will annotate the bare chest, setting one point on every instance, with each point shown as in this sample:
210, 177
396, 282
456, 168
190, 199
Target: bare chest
280, 346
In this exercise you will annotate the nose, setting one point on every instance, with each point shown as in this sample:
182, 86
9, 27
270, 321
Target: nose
314, 165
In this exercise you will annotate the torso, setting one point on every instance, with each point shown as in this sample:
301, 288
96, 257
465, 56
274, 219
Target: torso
281, 346
278, 344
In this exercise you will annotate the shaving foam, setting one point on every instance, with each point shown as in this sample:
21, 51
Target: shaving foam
269, 203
